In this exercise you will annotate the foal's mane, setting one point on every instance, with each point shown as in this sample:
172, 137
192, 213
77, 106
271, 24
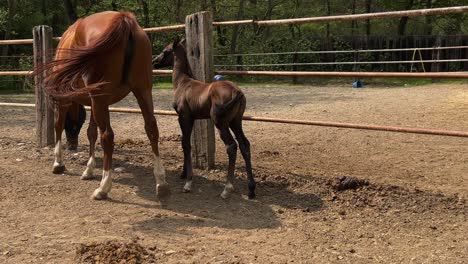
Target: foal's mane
181, 49
81, 61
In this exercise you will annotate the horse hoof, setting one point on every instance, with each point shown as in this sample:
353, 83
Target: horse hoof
187, 187
251, 196
163, 191
58, 169
99, 195
224, 194
86, 176
227, 190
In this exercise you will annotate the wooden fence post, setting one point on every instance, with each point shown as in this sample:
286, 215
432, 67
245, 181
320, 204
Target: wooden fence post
42, 44
199, 39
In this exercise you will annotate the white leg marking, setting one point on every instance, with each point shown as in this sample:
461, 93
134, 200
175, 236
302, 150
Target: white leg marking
162, 188
187, 186
104, 187
159, 171
227, 189
58, 154
89, 172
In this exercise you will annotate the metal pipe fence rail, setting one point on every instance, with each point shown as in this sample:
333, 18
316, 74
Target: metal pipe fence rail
338, 63
393, 14
398, 129
339, 51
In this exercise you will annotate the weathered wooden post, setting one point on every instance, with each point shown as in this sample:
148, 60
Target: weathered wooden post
199, 39
42, 36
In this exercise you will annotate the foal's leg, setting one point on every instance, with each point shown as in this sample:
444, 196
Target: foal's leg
101, 117
231, 149
59, 122
244, 146
92, 136
186, 125
145, 102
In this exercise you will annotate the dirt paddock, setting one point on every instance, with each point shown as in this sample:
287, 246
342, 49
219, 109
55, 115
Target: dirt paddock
414, 209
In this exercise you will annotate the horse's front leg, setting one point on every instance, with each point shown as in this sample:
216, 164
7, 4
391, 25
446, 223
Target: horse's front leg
145, 102
102, 119
186, 125
59, 122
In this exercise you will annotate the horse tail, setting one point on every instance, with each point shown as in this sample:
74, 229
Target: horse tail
81, 61
222, 109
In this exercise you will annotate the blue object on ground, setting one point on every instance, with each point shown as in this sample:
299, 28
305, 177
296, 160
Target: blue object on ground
218, 77
358, 84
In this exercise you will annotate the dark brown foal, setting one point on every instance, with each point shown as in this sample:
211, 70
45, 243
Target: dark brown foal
222, 101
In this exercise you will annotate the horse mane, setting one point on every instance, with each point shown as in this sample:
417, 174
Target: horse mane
78, 62
183, 51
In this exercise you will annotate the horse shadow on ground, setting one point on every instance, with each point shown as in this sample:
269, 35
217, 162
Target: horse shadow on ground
204, 207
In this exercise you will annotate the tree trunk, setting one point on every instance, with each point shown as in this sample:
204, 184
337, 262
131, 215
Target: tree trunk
353, 23
429, 19
44, 12
219, 30
235, 30
203, 5
72, 17
178, 6
328, 14
404, 20
144, 7
368, 23
8, 27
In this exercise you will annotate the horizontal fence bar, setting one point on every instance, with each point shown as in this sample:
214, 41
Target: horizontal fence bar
458, 75
411, 130
16, 41
339, 51
392, 14
15, 73
311, 73
21, 41
338, 63
165, 28
162, 72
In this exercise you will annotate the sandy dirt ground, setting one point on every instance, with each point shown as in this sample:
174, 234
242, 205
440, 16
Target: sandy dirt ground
414, 209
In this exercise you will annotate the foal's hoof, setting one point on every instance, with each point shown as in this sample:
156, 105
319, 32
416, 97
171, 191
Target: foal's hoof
163, 191
99, 195
58, 169
86, 176
187, 187
251, 196
229, 188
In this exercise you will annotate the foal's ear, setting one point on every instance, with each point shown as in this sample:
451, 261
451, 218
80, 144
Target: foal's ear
176, 42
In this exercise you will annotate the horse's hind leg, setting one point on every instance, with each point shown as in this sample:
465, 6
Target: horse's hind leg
231, 149
101, 117
59, 122
145, 102
92, 137
244, 145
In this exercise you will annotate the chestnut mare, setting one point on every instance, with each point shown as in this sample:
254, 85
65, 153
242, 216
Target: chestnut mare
100, 60
222, 101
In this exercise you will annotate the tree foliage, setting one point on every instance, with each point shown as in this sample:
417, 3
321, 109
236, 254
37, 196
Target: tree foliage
17, 17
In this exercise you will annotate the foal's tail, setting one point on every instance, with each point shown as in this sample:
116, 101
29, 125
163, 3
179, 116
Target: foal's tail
222, 109
78, 62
